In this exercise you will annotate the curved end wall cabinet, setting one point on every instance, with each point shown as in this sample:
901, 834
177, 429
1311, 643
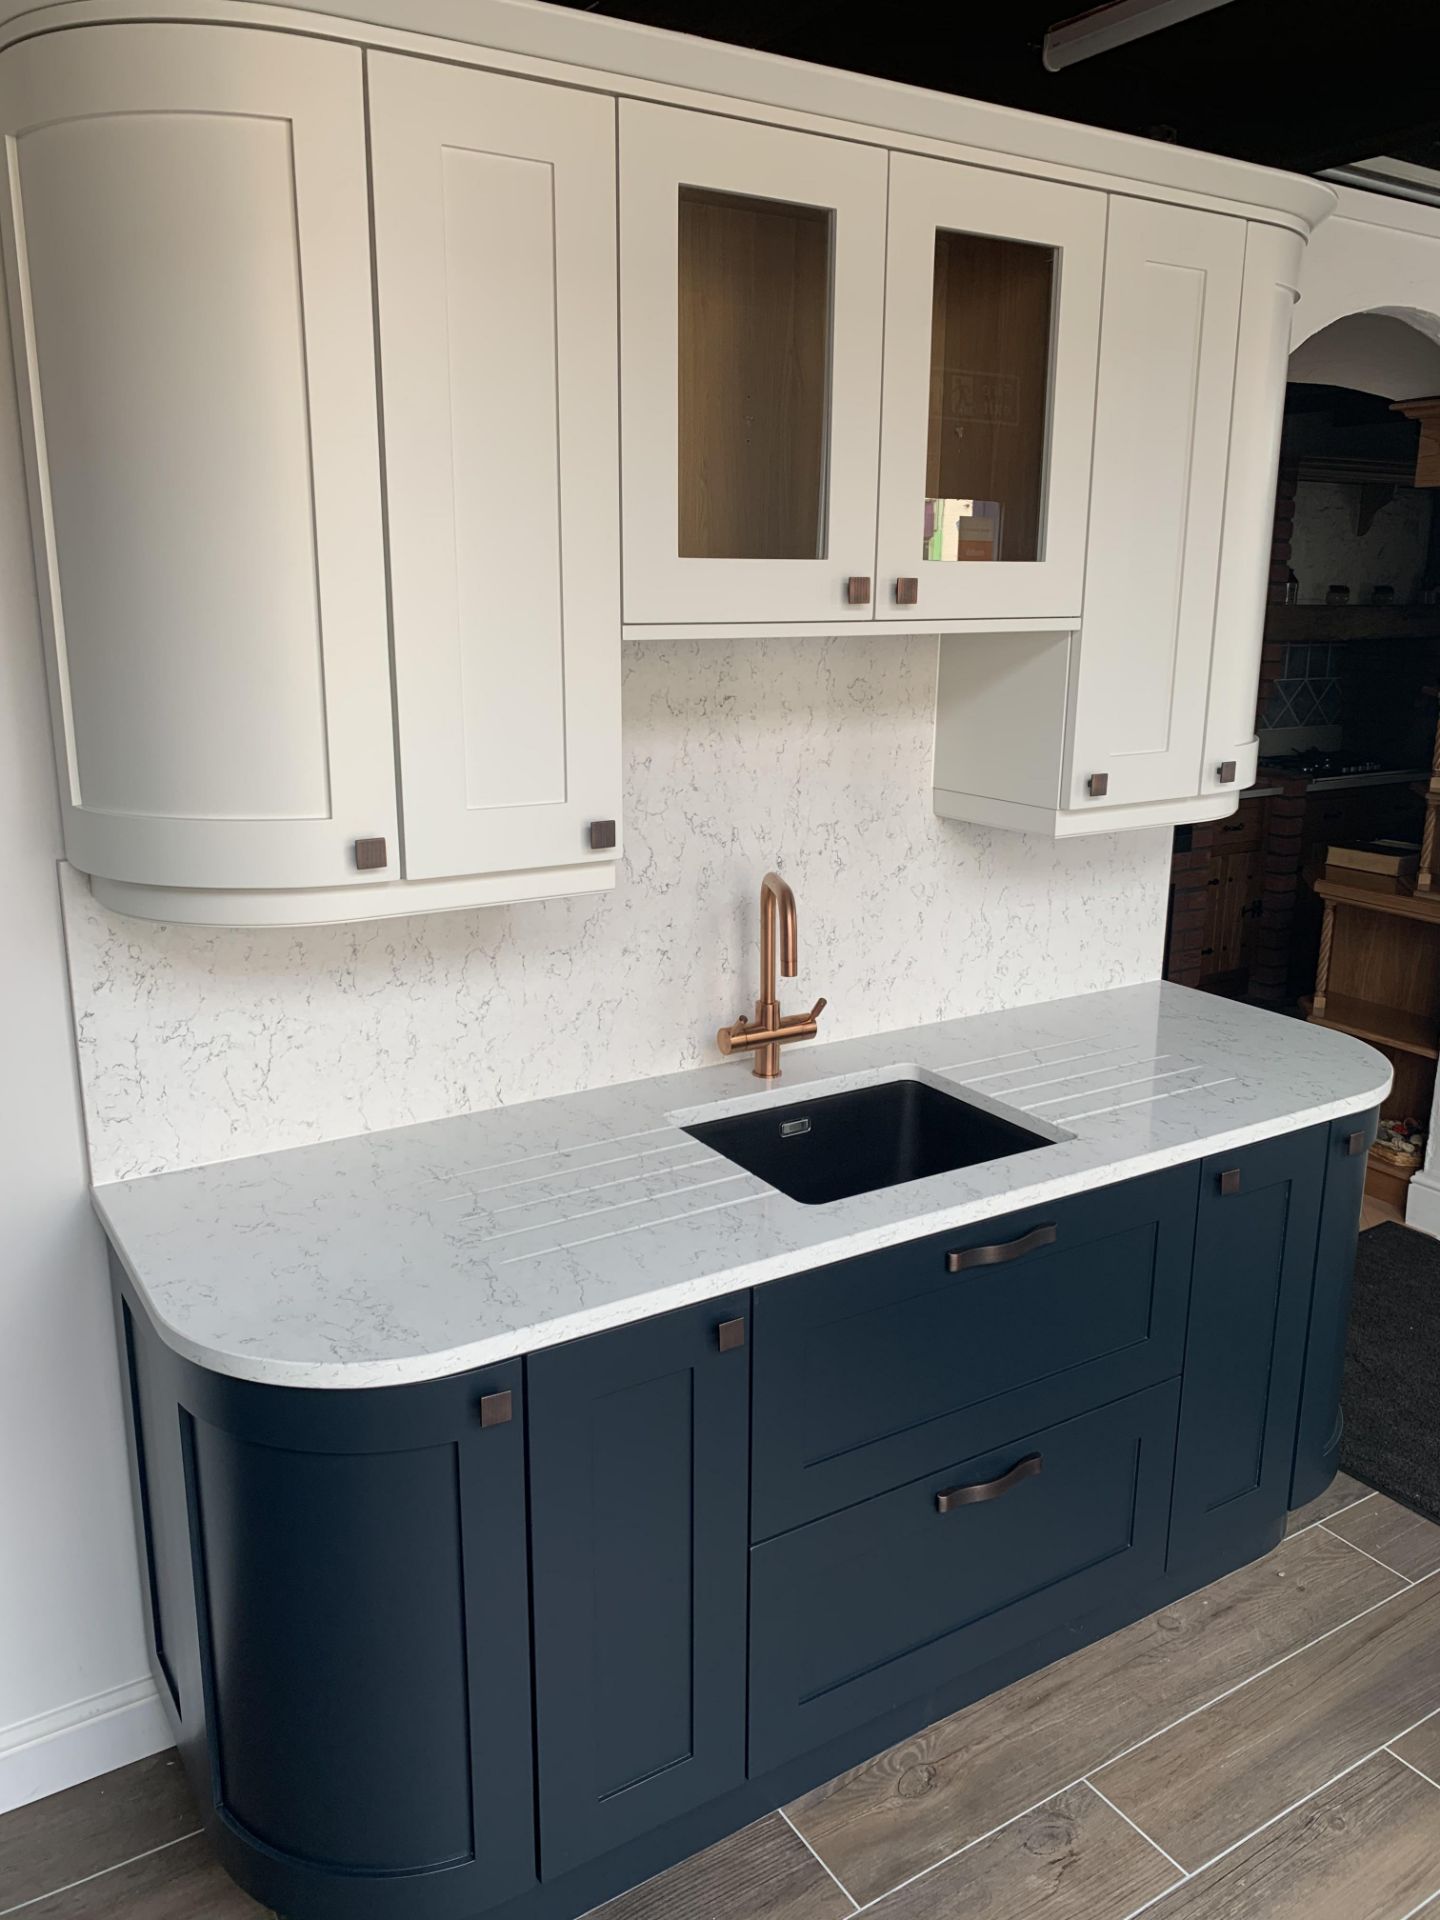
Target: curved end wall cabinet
329, 354
209, 351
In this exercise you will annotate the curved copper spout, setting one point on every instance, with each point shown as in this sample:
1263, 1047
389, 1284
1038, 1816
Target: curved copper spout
771, 1029
776, 896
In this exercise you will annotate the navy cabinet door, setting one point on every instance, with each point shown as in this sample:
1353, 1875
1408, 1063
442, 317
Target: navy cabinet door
639, 1519
1250, 1293
339, 1596
1317, 1440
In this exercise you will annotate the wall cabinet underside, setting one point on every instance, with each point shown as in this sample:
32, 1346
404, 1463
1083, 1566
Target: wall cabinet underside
739, 1547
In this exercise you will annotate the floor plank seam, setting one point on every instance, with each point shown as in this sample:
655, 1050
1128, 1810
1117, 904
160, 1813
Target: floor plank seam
1149, 1838
100, 1873
1424, 1905
949, 1859
823, 1864
1110, 1760
1326, 1528
1284, 1814
1420, 1771
1261, 1672
1310, 1525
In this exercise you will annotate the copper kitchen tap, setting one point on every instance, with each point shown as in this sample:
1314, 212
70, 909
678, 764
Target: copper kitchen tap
772, 1028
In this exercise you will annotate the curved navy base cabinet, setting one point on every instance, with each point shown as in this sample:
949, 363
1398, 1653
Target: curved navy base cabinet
506, 1643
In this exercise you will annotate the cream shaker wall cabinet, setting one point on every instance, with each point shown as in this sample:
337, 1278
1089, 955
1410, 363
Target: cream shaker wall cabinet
1144, 713
347, 354
188, 257
495, 262
189, 261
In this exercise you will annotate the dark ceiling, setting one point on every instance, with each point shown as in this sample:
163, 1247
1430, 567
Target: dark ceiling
1290, 84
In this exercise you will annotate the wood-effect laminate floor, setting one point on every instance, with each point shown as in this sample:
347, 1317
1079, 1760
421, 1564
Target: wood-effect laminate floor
1266, 1749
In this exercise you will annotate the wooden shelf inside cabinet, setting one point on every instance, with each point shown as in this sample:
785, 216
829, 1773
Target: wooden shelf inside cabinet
1300, 623
1382, 1026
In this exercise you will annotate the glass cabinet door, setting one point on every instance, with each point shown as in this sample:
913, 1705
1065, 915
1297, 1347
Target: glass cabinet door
991, 339
752, 297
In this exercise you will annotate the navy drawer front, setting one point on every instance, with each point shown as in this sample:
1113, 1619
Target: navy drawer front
858, 1613
873, 1371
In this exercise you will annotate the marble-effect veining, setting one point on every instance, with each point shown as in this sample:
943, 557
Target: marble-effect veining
410, 1254
813, 756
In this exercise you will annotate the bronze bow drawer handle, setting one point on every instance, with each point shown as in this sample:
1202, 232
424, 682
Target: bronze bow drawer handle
1002, 1251
972, 1496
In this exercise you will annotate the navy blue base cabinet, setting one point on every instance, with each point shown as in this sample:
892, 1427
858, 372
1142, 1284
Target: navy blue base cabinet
506, 1643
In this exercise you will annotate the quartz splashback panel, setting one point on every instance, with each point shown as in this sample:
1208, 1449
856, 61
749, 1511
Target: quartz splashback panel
812, 756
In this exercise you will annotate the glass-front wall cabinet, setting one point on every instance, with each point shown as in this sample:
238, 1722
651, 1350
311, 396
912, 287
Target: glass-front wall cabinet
989, 399
751, 306
775, 288
991, 336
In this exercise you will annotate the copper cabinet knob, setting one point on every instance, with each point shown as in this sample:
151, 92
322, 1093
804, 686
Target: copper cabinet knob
602, 835
857, 590
1230, 1180
729, 1335
907, 590
1225, 772
1098, 785
370, 854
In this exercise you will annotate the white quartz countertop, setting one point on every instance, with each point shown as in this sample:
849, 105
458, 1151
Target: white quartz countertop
426, 1250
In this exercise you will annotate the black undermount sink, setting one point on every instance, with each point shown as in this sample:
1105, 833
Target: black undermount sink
841, 1144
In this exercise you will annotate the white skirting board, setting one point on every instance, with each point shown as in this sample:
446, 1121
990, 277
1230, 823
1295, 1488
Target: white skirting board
77, 1742
1422, 1202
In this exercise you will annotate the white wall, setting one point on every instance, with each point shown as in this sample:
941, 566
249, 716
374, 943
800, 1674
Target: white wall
1327, 546
1371, 353
1374, 255
74, 1693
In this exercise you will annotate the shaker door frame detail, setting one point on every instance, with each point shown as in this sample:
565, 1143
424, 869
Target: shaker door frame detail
297, 472
495, 278
928, 197
663, 149
1141, 667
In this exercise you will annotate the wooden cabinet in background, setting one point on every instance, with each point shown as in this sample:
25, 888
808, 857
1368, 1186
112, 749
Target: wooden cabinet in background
1235, 886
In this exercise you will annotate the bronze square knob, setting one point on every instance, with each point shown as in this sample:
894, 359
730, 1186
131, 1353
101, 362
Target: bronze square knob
1225, 772
730, 1334
1098, 785
602, 835
497, 1409
370, 854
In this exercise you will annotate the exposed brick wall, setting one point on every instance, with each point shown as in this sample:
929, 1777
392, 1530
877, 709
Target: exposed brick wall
1189, 879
